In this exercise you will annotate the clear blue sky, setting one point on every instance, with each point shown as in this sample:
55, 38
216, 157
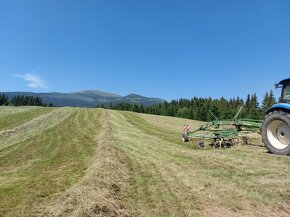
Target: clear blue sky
167, 49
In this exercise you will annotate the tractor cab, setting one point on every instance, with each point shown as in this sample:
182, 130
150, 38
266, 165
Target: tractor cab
285, 94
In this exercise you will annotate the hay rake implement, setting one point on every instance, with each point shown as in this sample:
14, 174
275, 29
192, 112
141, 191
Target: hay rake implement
222, 133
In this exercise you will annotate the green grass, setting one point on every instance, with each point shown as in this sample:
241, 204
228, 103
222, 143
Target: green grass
170, 179
7, 110
94, 162
47, 163
9, 121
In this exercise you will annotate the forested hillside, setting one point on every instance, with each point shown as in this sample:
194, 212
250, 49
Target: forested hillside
197, 108
21, 100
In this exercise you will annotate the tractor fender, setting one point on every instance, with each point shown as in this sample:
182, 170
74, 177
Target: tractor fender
279, 107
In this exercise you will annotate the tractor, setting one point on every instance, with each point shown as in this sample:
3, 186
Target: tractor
275, 128
276, 125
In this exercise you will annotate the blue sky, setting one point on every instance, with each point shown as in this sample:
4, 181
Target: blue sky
167, 49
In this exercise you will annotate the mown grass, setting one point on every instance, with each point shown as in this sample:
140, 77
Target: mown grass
37, 168
8, 110
162, 133
34, 127
12, 120
145, 170
154, 170
176, 180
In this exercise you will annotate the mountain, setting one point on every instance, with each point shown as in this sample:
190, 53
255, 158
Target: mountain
88, 98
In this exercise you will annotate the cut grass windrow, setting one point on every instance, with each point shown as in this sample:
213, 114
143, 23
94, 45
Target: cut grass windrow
8, 110
100, 191
16, 119
47, 162
33, 127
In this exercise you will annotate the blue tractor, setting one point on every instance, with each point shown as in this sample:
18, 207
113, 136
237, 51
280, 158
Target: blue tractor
276, 125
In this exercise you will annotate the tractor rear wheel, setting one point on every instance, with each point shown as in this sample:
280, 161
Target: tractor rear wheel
276, 132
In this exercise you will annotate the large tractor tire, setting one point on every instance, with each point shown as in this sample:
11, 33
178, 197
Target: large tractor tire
276, 132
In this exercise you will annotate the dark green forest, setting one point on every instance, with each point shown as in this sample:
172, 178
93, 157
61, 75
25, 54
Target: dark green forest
20, 100
198, 108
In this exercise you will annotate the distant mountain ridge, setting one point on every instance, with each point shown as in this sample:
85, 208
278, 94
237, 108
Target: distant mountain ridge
88, 98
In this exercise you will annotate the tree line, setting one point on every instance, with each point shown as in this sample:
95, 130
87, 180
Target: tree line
20, 100
198, 108
195, 108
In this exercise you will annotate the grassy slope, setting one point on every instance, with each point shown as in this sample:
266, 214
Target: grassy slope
91, 162
44, 164
18, 118
171, 179
7, 110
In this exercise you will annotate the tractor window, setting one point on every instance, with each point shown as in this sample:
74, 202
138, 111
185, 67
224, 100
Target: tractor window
286, 92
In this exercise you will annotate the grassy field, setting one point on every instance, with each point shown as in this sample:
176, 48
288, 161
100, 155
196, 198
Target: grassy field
96, 162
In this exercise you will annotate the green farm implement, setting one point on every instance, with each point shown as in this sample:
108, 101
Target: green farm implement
222, 133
